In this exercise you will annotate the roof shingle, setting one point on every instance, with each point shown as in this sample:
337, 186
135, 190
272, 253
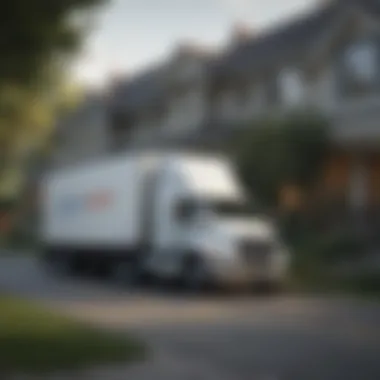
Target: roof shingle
286, 41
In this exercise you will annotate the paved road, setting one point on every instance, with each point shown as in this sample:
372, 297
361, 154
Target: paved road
224, 338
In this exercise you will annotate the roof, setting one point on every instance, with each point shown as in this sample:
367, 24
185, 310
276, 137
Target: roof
286, 41
143, 89
150, 86
256, 54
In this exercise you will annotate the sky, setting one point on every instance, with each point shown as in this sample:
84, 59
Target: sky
129, 35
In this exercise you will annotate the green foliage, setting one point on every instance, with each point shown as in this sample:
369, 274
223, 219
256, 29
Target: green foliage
316, 254
331, 247
26, 120
36, 340
280, 151
38, 32
277, 152
363, 284
341, 245
39, 38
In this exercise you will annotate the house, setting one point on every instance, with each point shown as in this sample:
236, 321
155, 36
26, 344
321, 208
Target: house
327, 60
135, 107
164, 105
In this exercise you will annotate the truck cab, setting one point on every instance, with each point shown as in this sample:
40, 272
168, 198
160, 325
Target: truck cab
207, 230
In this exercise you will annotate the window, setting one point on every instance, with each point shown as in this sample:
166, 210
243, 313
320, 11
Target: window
361, 61
359, 71
188, 210
291, 86
231, 208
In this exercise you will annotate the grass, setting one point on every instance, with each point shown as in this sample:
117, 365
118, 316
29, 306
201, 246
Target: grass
310, 275
316, 257
34, 340
365, 285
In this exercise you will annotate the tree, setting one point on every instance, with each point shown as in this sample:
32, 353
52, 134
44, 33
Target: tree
37, 33
26, 136
39, 37
282, 151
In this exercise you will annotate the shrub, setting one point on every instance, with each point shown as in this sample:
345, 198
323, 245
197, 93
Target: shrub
279, 151
316, 254
339, 246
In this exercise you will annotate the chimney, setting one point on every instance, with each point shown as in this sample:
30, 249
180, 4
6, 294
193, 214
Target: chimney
241, 33
188, 49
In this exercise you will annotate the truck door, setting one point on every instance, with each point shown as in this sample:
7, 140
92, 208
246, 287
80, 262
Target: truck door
166, 234
149, 208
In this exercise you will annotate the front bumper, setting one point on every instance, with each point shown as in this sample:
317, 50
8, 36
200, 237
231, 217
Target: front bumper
235, 272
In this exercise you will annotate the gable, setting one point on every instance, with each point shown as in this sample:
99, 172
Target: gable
353, 26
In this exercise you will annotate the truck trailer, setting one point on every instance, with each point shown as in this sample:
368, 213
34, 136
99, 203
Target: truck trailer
182, 216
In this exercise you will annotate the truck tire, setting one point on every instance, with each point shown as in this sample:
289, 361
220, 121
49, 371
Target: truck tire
126, 274
194, 275
58, 263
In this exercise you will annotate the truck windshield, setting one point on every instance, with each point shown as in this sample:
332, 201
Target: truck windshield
232, 208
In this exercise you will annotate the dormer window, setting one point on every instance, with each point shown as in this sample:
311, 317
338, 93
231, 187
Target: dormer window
358, 71
291, 87
361, 62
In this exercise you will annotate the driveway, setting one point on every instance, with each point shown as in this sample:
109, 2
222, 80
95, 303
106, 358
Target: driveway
221, 337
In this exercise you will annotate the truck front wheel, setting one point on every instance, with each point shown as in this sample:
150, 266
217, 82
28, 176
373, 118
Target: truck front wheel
127, 273
194, 275
58, 262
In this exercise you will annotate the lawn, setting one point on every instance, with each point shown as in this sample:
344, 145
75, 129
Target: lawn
34, 340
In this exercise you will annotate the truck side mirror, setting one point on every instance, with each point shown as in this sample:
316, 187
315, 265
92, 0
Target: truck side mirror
185, 211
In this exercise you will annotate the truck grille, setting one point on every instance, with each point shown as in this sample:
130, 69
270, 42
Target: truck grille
256, 252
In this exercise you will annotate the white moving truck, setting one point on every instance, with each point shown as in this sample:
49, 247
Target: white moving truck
171, 215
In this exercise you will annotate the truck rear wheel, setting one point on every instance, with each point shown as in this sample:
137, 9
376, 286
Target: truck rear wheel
58, 262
